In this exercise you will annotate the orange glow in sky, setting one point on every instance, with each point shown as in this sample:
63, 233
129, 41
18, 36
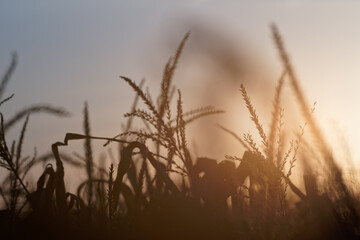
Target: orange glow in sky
71, 52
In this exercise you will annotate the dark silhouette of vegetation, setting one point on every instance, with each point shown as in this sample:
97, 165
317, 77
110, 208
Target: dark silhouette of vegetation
156, 190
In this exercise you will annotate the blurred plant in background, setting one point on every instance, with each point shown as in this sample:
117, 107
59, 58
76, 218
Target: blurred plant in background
157, 189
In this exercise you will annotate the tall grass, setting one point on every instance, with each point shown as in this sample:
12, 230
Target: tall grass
156, 190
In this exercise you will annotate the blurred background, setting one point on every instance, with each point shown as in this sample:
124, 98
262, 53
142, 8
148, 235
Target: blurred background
74, 51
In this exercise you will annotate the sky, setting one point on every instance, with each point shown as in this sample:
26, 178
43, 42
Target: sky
74, 51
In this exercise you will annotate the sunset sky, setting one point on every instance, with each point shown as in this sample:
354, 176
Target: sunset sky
74, 51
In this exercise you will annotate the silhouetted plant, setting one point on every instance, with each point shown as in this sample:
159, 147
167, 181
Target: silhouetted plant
156, 190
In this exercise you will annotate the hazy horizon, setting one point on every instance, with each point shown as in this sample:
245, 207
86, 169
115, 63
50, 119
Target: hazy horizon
72, 52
